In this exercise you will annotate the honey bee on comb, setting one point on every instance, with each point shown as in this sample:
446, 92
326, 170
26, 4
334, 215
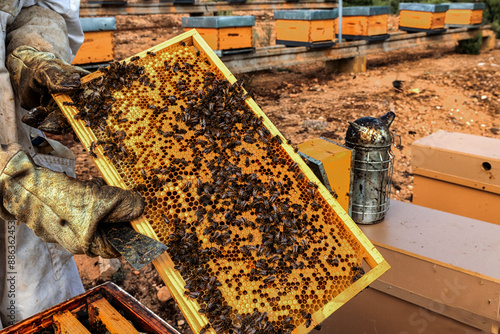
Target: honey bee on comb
255, 241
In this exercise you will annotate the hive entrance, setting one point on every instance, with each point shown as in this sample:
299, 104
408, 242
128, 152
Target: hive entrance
258, 246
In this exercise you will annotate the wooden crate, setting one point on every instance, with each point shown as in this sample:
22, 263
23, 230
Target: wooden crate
106, 304
305, 27
458, 173
421, 17
223, 32
464, 14
175, 181
98, 46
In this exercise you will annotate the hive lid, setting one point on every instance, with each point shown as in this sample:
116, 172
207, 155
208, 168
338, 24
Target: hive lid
218, 21
424, 7
255, 239
305, 14
459, 158
365, 11
466, 5
98, 23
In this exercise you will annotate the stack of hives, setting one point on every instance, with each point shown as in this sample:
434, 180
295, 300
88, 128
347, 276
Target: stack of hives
258, 245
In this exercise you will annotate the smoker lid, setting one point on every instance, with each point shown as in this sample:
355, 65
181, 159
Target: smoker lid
370, 131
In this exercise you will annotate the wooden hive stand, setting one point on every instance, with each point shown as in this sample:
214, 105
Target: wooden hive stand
422, 17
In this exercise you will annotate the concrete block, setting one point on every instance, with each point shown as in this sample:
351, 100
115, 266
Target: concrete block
349, 65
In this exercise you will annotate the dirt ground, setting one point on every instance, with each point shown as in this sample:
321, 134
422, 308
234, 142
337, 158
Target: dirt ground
442, 91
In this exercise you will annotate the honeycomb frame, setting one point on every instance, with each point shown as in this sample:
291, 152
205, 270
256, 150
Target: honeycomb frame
164, 264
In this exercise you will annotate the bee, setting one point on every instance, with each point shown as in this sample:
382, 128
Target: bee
250, 237
91, 150
182, 43
269, 280
143, 174
123, 120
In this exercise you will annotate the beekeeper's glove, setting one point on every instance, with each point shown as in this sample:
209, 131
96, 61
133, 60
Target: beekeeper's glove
35, 76
59, 208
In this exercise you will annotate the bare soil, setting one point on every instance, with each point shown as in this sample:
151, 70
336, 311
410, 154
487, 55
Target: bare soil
442, 90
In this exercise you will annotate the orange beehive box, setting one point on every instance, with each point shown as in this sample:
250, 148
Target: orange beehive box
256, 242
223, 33
415, 17
458, 173
305, 27
464, 14
370, 23
98, 46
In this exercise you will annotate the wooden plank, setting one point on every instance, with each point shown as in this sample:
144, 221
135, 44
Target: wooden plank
98, 47
88, 10
115, 323
235, 38
67, 323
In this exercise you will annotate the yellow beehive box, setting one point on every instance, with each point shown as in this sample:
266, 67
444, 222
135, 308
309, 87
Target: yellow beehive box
331, 163
364, 22
223, 33
421, 17
255, 240
464, 14
305, 27
98, 45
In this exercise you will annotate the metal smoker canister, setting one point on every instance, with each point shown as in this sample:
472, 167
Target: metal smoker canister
372, 168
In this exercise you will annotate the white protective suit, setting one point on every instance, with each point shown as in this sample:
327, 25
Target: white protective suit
34, 275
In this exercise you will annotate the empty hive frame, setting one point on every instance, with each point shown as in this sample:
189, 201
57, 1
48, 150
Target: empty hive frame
256, 242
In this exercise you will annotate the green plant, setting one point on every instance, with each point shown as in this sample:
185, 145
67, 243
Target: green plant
470, 46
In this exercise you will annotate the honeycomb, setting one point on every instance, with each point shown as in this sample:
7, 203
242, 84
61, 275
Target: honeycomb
258, 246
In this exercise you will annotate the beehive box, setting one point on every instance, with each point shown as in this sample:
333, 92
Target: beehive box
464, 14
98, 46
312, 28
369, 23
458, 173
103, 309
256, 242
224, 33
331, 163
414, 17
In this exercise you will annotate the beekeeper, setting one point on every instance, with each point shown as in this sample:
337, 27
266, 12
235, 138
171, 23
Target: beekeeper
44, 210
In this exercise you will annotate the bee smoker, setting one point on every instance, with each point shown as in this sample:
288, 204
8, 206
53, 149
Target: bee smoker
372, 167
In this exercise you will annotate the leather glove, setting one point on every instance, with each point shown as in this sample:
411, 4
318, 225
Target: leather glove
61, 209
35, 76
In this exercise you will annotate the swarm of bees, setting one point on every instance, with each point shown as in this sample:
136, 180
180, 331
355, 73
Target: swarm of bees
259, 248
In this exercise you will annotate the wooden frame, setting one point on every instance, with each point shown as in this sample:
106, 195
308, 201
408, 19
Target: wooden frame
164, 264
63, 315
